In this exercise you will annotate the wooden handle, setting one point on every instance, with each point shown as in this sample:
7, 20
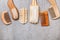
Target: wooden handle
34, 2
11, 4
52, 2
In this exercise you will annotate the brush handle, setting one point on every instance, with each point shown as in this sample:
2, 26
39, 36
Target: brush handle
13, 9
34, 3
11, 4
52, 2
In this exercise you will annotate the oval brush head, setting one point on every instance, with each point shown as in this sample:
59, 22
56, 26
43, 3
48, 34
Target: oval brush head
13, 10
6, 18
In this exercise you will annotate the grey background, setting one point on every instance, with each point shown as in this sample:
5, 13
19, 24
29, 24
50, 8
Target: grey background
18, 31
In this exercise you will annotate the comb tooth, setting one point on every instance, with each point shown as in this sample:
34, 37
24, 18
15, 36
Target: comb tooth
26, 15
44, 18
6, 18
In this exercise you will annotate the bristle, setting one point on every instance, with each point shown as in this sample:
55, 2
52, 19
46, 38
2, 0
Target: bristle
14, 13
6, 18
34, 14
53, 13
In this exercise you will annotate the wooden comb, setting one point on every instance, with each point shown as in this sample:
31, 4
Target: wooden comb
23, 15
44, 18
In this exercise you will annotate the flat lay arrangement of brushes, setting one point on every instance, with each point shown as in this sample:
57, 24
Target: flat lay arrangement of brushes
34, 16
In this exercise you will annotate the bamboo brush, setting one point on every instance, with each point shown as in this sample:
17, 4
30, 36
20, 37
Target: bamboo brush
34, 12
55, 9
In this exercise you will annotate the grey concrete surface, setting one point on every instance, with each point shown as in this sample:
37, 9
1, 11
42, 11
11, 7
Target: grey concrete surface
17, 31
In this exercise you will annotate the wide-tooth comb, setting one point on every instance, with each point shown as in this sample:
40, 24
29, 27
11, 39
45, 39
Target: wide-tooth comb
52, 2
23, 15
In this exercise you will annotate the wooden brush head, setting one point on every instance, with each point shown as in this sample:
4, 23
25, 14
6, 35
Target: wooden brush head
6, 18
